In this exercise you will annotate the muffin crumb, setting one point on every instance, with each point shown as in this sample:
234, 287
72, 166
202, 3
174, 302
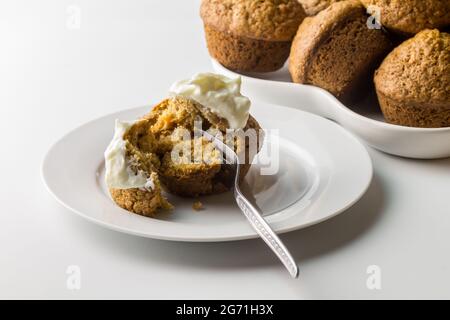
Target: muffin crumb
197, 205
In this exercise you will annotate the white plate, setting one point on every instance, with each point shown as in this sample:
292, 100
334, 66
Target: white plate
364, 118
323, 170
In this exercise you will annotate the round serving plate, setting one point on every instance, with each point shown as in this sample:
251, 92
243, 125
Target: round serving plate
363, 119
310, 170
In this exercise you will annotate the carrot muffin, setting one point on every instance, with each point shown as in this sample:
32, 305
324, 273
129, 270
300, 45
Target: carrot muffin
411, 16
413, 82
194, 172
166, 148
313, 7
335, 50
248, 35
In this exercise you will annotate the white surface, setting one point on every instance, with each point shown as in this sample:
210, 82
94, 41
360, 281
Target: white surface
309, 179
429, 143
126, 53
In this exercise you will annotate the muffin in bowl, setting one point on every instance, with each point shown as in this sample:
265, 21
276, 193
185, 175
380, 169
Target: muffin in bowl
166, 150
335, 50
408, 17
413, 82
189, 164
248, 35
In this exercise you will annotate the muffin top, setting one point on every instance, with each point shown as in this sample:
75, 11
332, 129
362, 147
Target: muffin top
412, 16
270, 20
312, 7
314, 30
418, 71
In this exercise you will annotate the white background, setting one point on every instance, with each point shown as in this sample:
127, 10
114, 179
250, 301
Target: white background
126, 54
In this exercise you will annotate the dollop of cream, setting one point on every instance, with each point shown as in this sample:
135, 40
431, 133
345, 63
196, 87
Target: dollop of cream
221, 95
119, 174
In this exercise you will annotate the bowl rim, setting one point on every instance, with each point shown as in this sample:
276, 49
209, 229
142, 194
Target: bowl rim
335, 100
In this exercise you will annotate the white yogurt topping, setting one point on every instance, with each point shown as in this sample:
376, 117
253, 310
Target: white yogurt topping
119, 175
218, 93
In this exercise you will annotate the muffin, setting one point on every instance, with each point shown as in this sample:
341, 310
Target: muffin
313, 7
166, 149
184, 175
131, 166
248, 35
335, 50
413, 82
408, 17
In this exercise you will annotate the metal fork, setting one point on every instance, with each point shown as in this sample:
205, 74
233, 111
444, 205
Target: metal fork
251, 213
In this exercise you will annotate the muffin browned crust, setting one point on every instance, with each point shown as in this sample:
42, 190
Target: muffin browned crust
156, 145
246, 54
413, 82
313, 7
412, 16
248, 35
335, 50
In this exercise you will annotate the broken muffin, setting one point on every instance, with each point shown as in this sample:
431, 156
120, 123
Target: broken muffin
165, 149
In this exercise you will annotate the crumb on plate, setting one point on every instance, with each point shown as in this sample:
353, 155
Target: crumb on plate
197, 205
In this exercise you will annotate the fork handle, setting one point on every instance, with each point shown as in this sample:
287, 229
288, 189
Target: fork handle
267, 234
